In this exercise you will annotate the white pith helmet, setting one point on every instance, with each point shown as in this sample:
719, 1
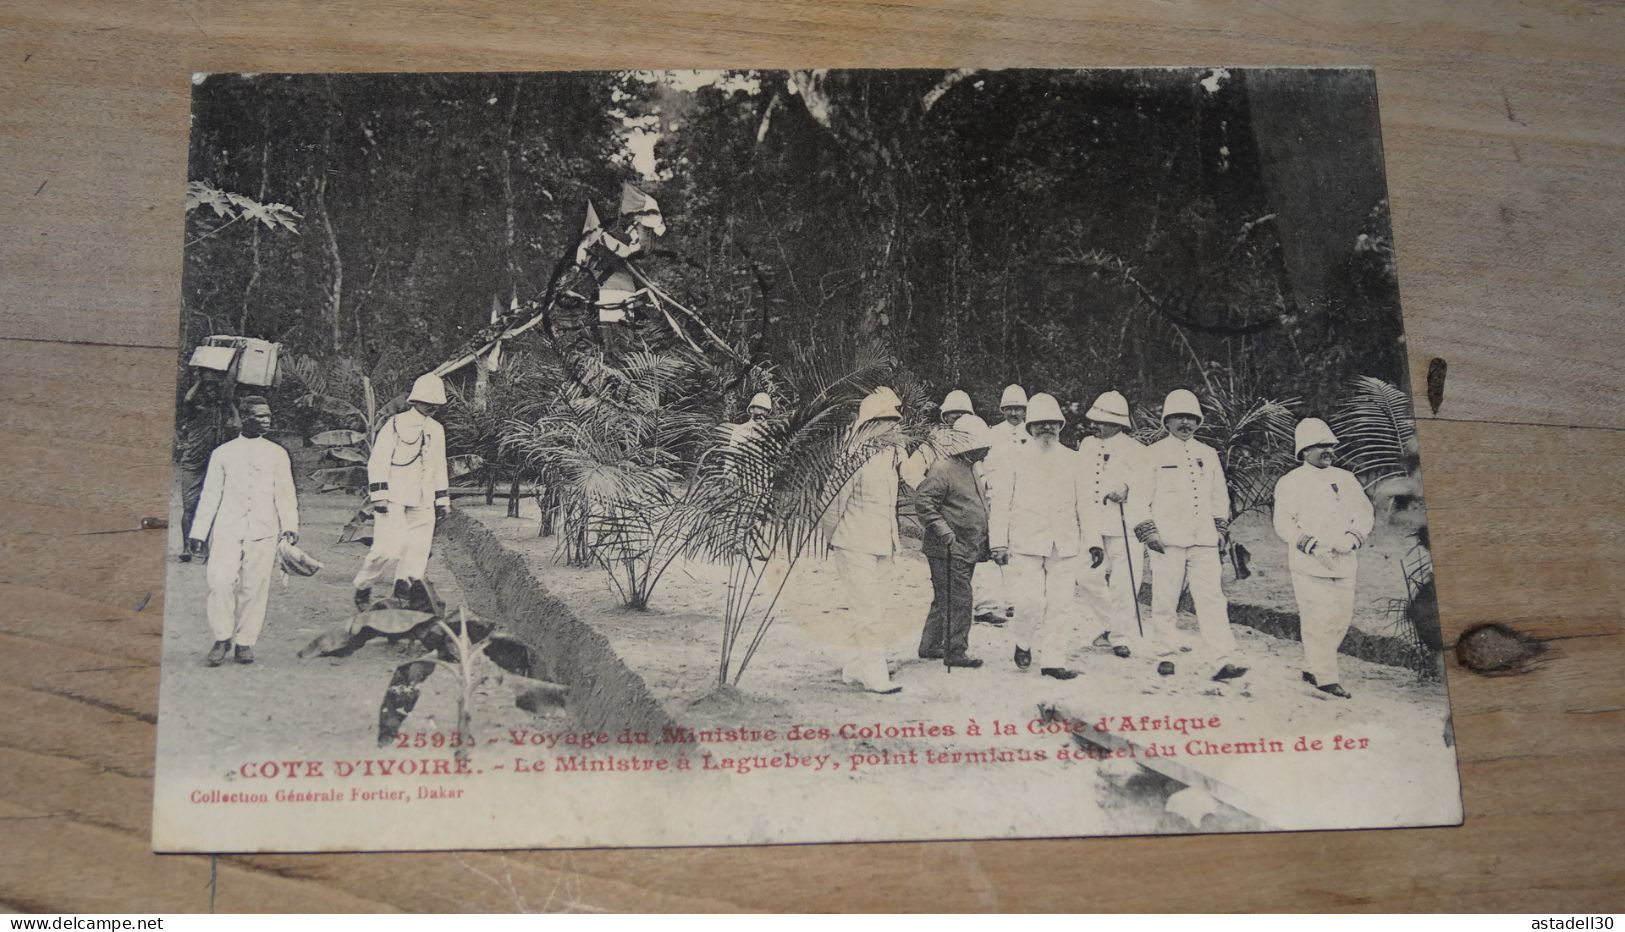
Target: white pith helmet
878, 405
761, 400
428, 389
957, 401
1110, 408
1014, 397
1311, 432
1041, 408
1182, 401
969, 433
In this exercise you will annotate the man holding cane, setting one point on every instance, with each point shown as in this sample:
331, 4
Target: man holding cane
1107, 460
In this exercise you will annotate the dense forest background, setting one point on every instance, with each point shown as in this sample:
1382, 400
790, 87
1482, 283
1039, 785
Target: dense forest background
1072, 231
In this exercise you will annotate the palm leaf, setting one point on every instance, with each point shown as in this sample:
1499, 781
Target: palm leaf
1375, 428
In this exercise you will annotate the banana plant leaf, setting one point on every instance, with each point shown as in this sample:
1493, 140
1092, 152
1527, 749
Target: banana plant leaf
401, 697
327, 404
336, 478
338, 438
346, 454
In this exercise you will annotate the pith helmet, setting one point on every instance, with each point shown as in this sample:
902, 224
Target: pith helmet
428, 389
1110, 408
1014, 397
957, 401
760, 400
1043, 408
1181, 401
877, 406
969, 433
1311, 432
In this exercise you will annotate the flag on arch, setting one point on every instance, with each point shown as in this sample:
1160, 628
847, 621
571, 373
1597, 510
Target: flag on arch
641, 209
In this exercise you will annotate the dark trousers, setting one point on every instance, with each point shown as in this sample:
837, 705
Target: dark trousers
950, 586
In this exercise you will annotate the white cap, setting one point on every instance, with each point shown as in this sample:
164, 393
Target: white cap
1181, 401
760, 400
428, 389
1110, 408
1311, 432
968, 433
1043, 408
1014, 397
957, 401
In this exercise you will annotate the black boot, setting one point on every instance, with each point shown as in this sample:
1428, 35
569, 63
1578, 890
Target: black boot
363, 599
1024, 659
217, 653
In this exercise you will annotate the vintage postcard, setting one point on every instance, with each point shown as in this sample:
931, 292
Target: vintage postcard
755, 457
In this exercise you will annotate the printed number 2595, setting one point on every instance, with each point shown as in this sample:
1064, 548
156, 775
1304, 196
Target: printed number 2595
433, 739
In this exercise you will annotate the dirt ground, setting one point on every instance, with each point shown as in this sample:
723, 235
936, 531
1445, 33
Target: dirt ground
792, 680
283, 706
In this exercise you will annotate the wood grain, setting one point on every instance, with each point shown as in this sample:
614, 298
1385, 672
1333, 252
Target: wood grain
1503, 143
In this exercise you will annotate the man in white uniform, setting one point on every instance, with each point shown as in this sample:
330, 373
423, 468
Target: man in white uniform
861, 527
1009, 437
246, 507
1324, 516
1040, 525
1108, 459
757, 411
1183, 509
406, 477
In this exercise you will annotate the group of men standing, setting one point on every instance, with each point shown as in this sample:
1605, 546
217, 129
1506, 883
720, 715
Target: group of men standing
247, 516
1020, 528
1009, 512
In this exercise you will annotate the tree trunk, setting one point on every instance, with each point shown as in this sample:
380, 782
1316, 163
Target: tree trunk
507, 194
254, 243
513, 499
335, 289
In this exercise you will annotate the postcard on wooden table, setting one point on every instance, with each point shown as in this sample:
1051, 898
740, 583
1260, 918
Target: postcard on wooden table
753, 457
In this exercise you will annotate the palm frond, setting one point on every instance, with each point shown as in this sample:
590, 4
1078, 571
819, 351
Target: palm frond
1376, 430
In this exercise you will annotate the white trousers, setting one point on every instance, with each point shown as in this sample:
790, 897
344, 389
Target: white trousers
1171, 572
401, 538
988, 590
239, 575
861, 640
1125, 571
1046, 607
1325, 611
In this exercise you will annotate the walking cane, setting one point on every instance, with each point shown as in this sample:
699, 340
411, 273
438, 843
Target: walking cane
948, 618
1128, 558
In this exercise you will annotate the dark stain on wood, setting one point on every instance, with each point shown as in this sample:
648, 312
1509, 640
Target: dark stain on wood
1436, 372
1496, 650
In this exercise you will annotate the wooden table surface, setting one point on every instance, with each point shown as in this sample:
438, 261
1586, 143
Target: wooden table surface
1504, 125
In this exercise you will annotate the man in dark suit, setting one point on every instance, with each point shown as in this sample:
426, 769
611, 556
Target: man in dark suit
952, 507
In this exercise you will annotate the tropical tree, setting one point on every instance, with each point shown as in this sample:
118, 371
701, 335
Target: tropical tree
479, 426
617, 442
1376, 431
761, 497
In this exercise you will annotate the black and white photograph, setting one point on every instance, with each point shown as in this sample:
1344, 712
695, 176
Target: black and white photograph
670, 458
